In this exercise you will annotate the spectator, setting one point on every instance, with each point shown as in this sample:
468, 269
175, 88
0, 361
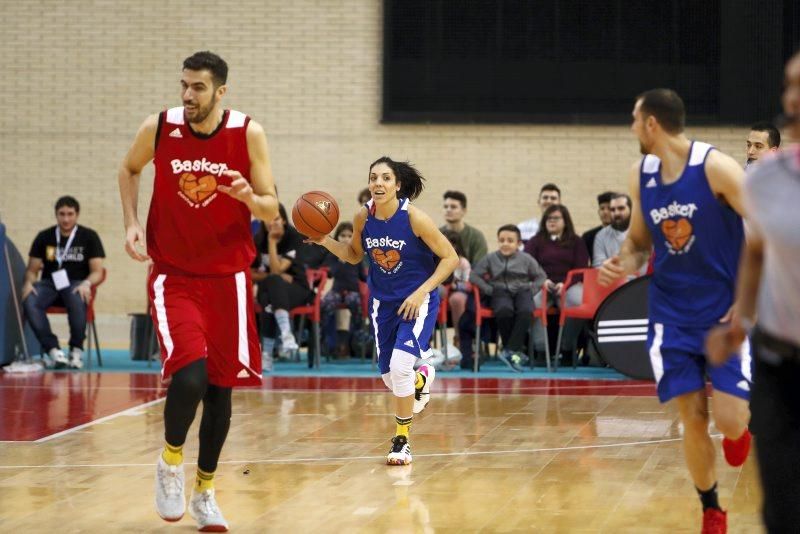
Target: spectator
603, 201
364, 196
460, 288
282, 283
549, 195
472, 239
763, 139
510, 278
559, 250
344, 292
610, 238
70, 259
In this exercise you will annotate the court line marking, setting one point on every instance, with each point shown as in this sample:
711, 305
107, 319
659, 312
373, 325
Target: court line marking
126, 411
377, 457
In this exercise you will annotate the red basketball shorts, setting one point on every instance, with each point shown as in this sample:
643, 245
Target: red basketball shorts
204, 317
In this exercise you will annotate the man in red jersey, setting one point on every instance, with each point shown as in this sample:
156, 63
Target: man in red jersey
212, 172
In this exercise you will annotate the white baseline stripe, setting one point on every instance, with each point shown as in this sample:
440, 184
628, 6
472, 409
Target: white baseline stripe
126, 411
623, 322
633, 330
617, 339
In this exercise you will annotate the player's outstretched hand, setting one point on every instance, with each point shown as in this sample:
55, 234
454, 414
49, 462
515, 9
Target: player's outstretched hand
610, 271
239, 189
134, 235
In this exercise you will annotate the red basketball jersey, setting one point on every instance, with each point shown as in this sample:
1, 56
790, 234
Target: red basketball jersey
192, 228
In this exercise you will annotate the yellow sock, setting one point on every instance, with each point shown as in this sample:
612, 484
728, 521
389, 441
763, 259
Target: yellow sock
172, 455
205, 481
403, 425
420, 381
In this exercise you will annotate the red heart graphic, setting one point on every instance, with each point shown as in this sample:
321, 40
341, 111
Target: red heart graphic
387, 260
678, 232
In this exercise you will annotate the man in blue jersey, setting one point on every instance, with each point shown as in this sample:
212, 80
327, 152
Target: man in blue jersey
687, 200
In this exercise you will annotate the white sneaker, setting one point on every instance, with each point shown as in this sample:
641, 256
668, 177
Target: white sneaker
203, 508
400, 453
289, 344
76, 358
422, 396
170, 497
266, 362
58, 358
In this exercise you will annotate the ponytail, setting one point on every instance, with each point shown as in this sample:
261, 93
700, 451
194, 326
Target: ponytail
409, 178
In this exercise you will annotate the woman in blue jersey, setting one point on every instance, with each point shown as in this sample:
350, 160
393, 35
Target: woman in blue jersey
402, 244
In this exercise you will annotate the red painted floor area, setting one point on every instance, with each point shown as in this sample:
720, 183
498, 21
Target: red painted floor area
35, 406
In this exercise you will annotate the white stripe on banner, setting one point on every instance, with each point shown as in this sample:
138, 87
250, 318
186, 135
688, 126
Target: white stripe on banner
241, 318
618, 339
656, 360
634, 330
419, 324
375, 305
161, 317
623, 322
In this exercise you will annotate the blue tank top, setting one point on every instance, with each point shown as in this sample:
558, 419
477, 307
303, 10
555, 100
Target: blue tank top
697, 242
400, 261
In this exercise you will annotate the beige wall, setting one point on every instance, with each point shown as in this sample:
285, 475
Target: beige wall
81, 75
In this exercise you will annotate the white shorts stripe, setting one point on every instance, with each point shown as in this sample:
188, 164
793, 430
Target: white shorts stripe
747, 357
241, 315
375, 305
656, 360
419, 324
161, 317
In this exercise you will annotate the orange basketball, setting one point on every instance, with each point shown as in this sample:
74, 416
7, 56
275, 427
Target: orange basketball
315, 214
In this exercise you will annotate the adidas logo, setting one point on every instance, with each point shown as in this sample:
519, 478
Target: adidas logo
743, 384
175, 133
243, 374
409, 343
651, 182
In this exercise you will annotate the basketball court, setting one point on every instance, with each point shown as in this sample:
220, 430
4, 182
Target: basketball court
307, 454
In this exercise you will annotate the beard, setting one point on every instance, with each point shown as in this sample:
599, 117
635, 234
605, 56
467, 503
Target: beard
620, 225
201, 113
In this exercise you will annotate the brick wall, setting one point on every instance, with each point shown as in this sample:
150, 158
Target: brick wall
82, 75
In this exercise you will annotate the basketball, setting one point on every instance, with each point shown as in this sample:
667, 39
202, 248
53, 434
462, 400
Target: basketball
315, 214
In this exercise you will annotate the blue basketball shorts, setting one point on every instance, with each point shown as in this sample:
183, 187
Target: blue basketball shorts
394, 332
678, 358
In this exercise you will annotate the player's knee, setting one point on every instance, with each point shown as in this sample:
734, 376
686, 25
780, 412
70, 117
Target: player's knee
191, 380
401, 369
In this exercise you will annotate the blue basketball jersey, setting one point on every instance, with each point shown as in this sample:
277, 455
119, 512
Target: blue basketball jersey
697, 242
400, 261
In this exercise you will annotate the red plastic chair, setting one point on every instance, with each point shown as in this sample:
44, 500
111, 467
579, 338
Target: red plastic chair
317, 278
441, 318
484, 312
91, 325
593, 295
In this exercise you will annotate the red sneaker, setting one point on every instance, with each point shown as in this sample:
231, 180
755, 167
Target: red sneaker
736, 451
715, 522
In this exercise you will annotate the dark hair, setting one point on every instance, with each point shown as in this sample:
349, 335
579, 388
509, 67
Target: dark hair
363, 196
410, 179
211, 62
773, 135
666, 106
282, 213
605, 198
550, 187
510, 228
455, 240
625, 196
69, 202
569, 229
344, 225
456, 195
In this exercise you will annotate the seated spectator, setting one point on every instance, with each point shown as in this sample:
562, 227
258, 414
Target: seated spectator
70, 259
559, 250
603, 202
344, 292
510, 278
610, 238
549, 195
282, 283
460, 288
364, 196
472, 240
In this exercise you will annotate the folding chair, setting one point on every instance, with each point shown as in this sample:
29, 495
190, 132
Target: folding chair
317, 278
593, 295
91, 325
541, 314
441, 319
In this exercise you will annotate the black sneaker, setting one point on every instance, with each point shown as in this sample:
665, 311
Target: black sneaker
512, 359
400, 453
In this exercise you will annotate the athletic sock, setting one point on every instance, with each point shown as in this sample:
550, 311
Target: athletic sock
403, 425
204, 481
172, 455
709, 498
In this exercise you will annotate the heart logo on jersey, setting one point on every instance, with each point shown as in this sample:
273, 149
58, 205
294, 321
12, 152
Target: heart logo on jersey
678, 232
386, 260
197, 189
